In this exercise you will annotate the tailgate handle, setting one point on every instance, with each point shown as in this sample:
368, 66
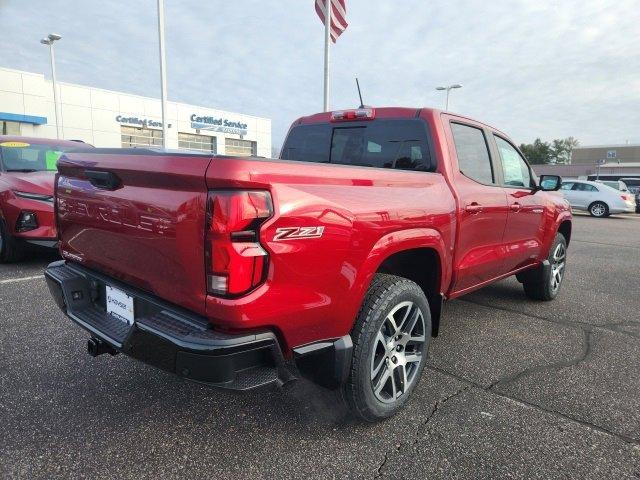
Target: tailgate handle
104, 180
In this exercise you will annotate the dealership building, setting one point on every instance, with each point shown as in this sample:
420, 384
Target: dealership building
618, 161
106, 118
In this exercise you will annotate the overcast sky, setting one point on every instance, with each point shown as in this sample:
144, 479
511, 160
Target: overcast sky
537, 68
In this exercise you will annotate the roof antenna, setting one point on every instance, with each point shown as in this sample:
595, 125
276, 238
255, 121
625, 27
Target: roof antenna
359, 93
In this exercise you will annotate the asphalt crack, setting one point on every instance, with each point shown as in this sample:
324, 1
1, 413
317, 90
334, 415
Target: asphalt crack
589, 327
419, 426
606, 244
587, 347
493, 391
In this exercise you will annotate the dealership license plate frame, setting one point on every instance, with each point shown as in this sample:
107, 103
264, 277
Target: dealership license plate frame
120, 305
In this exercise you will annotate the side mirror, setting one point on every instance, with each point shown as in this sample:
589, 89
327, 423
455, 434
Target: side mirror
550, 183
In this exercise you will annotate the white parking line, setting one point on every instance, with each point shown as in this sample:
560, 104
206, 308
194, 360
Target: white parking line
22, 279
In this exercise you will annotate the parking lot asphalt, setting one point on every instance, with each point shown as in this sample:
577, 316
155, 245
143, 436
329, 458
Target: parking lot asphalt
513, 389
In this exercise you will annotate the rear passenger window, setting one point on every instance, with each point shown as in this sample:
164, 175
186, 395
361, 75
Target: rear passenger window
398, 144
584, 187
473, 154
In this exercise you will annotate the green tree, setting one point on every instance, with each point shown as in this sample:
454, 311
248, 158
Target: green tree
538, 152
558, 151
562, 148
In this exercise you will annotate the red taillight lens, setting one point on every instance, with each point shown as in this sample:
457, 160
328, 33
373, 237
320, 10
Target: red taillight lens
235, 260
625, 197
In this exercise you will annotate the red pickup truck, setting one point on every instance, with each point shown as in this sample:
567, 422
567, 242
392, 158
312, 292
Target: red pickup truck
332, 261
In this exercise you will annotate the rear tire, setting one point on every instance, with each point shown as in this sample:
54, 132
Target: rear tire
390, 344
547, 288
599, 209
11, 248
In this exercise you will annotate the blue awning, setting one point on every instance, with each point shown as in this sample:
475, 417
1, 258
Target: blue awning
14, 117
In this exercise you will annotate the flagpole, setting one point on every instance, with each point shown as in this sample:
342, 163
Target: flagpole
327, 40
163, 73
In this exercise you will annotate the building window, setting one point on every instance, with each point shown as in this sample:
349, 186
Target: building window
140, 137
239, 148
612, 154
9, 128
201, 143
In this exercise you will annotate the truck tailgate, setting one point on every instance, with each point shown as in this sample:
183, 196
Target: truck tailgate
138, 216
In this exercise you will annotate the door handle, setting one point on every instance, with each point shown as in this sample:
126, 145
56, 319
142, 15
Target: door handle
515, 207
103, 180
473, 208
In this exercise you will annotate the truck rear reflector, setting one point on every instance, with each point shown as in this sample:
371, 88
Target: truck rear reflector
235, 261
353, 115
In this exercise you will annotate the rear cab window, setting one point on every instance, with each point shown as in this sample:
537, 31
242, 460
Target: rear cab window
386, 143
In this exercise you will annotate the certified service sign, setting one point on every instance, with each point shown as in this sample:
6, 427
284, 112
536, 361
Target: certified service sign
218, 125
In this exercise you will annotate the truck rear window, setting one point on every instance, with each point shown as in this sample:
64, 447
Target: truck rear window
399, 144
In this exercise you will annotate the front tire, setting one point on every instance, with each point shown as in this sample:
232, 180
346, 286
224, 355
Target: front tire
599, 209
11, 249
390, 344
548, 287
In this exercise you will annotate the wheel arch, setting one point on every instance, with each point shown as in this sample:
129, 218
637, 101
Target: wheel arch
418, 255
422, 266
565, 229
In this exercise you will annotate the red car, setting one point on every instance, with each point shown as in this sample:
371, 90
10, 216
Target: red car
27, 171
334, 258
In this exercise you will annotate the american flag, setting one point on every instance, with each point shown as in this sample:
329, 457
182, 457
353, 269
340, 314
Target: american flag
338, 16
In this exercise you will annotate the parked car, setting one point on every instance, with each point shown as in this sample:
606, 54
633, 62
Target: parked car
617, 184
633, 184
598, 199
335, 257
27, 171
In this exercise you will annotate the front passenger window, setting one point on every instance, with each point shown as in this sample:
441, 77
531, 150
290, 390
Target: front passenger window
515, 170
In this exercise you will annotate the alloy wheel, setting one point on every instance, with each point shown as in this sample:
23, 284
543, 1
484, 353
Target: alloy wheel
557, 267
598, 210
398, 352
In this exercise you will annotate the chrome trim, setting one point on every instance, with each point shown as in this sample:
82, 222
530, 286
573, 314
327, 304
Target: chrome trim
34, 196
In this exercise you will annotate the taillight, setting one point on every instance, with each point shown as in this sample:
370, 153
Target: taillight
350, 115
624, 197
235, 261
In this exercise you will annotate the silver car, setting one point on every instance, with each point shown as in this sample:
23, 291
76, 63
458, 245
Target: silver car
597, 198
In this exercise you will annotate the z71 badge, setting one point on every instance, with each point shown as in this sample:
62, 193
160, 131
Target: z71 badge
298, 233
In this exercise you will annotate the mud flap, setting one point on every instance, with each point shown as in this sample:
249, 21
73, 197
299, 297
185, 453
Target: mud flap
325, 363
535, 275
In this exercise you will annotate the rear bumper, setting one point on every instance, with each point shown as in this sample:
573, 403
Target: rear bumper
627, 208
164, 335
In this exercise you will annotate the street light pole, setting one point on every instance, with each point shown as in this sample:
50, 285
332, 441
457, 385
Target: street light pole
163, 73
49, 40
448, 88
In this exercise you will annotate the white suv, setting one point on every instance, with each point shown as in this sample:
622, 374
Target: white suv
597, 198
